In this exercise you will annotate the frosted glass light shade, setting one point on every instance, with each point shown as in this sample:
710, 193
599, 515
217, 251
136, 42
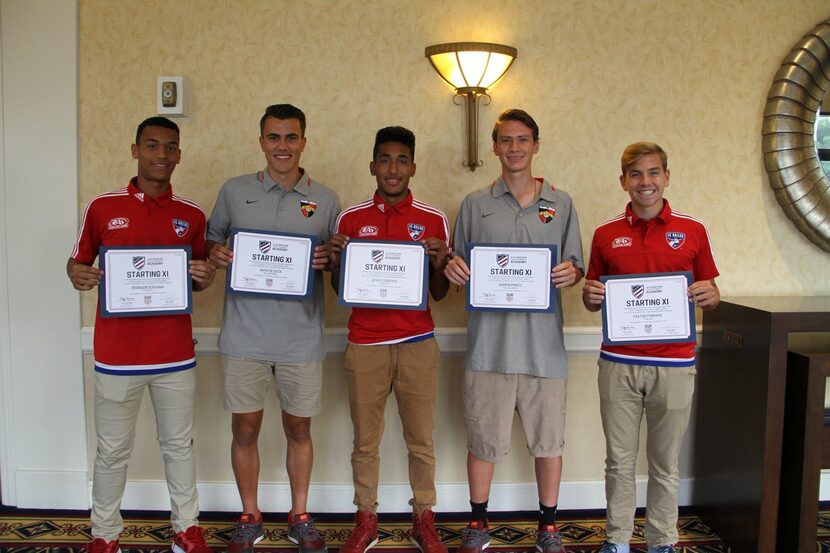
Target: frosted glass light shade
471, 64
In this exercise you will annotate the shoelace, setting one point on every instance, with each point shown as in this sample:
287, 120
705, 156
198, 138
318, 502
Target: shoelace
244, 532
306, 529
194, 534
362, 531
472, 536
552, 539
428, 533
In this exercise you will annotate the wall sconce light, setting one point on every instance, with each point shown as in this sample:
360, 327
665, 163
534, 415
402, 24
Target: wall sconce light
471, 68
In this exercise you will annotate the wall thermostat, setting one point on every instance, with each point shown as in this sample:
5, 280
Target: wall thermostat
171, 96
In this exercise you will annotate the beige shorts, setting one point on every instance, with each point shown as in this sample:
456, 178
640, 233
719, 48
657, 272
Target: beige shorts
299, 385
489, 402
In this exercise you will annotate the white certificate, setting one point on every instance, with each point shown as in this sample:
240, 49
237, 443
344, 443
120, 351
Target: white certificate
643, 309
144, 281
384, 274
271, 263
507, 277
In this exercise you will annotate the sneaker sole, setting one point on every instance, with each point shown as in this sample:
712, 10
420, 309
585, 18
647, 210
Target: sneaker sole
483, 547
324, 550
256, 541
373, 543
418, 545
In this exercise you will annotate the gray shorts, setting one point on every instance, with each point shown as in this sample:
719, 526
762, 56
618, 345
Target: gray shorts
299, 385
489, 402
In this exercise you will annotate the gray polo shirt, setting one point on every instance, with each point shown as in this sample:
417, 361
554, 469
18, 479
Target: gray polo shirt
522, 343
270, 329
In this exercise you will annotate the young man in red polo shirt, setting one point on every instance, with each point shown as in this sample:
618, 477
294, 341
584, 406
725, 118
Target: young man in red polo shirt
655, 379
154, 352
393, 349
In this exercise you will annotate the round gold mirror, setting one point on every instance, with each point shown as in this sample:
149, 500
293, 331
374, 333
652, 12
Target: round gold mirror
796, 135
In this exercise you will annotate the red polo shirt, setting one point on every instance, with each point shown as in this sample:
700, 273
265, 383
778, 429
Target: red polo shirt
670, 242
129, 217
409, 220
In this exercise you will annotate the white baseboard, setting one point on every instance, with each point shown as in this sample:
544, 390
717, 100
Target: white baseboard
45, 489
393, 498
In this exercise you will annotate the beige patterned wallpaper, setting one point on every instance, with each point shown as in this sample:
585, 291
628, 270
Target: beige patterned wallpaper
597, 75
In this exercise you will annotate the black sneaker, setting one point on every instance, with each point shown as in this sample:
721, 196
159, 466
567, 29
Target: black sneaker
248, 532
475, 538
301, 530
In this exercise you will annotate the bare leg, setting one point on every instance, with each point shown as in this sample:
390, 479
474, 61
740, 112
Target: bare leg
479, 477
299, 459
548, 475
245, 458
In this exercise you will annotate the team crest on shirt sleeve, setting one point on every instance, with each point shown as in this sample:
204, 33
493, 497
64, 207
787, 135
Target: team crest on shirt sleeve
416, 231
546, 213
180, 226
675, 239
308, 208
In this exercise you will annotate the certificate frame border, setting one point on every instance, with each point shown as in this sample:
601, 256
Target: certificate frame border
692, 316
102, 287
309, 282
552, 302
342, 271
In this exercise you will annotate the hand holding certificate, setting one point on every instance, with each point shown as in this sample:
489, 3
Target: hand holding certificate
145, 281
511, 277
384, 274
647, 309
272, 264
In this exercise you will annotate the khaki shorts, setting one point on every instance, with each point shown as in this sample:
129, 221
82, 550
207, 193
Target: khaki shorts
489, 402
299, 385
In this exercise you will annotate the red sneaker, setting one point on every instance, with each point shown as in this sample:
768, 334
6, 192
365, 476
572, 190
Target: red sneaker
424, 534
100, 545
191, 540
364, 535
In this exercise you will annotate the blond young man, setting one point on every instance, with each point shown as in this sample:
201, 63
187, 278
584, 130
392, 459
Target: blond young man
652, 379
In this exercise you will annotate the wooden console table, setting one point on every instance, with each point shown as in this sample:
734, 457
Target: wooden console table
742, 371
806, 448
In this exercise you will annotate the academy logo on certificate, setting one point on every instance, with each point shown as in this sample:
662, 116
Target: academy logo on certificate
637, 290
377, 256
308, 208
148, 300
502, 259
264, 246
415, 230
139, 262
546, 213
180, 226
675, 239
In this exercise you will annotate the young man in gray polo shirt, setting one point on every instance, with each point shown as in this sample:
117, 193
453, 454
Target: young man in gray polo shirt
265, 338
519, 358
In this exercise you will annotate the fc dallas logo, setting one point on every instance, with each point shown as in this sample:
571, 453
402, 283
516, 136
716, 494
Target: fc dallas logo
308, 208
675, 239
546, 213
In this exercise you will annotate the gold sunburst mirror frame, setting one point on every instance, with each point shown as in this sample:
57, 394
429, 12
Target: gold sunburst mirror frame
795, 174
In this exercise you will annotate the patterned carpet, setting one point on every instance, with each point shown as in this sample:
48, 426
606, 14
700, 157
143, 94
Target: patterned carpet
67, 532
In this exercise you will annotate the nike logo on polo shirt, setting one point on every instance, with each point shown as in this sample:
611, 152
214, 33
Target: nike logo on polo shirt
251, 201
483, 215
